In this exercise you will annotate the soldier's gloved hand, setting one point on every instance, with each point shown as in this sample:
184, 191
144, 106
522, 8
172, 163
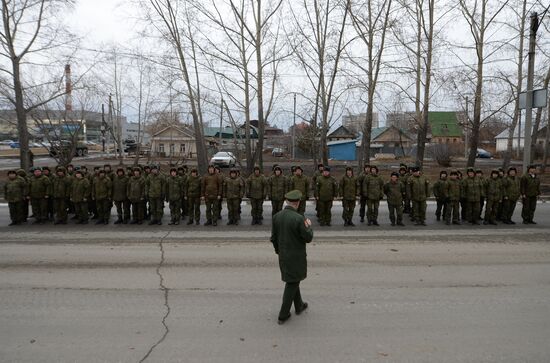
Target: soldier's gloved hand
219, 197
85, 199
46, 196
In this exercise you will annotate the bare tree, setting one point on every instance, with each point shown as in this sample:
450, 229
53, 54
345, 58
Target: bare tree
28, 28
479, 17
169, 18
318, 43
371, 21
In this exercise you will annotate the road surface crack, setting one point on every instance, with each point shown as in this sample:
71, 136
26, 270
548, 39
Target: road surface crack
165, 291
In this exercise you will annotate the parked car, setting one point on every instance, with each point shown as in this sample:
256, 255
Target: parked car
15, 145
278, 152
484, 154
224, 158
6, 142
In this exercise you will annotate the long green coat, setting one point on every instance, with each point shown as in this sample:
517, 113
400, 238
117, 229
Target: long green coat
395, 192
15, 190
289, 236
418, 188
120, 188
256, 186
80, 190
530, 186
39, 187
277, 187
136, 189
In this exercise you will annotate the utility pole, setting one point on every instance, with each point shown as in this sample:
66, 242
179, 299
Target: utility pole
294, 131
103, 128
221, 124
529, 92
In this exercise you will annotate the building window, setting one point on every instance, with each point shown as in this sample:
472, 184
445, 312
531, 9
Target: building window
172, 149
182, 148
161, 148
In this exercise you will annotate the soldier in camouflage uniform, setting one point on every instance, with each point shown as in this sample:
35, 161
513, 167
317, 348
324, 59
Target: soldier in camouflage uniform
174, 195
511, 194
493, 193
439, 190
395, 192
47, 172
233, 191
363, 191
453, 189
23, 174
136, 196
316, 174
212, 190
61, 191
109, 173
102, 191
482, 196
277, 186
418, 190
220, 175
374, 187
92, 204
39, 193
182, 173
471, 187
155, 191
256, 190
404, 175
192, 194
530, 191
120, 196
326, 190
80, 190
349, 189
15, 191
300, 182
500, 208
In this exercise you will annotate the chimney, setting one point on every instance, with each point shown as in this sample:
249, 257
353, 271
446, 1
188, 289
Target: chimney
68, 89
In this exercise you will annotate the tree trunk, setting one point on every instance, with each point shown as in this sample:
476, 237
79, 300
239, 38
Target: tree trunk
21, 112
538, 117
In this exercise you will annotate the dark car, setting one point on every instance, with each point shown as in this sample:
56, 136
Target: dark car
484, 154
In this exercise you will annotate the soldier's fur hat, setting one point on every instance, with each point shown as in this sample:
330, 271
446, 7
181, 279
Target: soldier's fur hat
395, 174
11, 172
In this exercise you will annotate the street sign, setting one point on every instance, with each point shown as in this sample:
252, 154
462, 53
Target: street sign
540, 99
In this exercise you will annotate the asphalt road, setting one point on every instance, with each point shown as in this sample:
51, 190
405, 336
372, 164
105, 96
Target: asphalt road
200, 294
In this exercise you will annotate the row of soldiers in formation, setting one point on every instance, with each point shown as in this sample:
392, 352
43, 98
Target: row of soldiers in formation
140, 193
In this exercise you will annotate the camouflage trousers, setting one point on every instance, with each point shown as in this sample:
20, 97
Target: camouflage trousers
194, 208
211, 209
472, 211
156, 206
81, 211
508, 207
60, 209
276, 206
348, 207
491, 208
419, 210
138, 211
325, 213
233, 212
103, 208
16, 212
40, 208
175, 210
396, 213
528, 209
123, 209
257, 208
372, 209
452, 210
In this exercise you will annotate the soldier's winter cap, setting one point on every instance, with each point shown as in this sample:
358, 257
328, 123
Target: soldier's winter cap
83, 167
512, 168
274, 166
137, 168
367, 166
292, 168
349, 168
107, 166
217, 167
374, 167
173, 169
46, 168
61, 168
532, 166
298, 167
146, 167
233, 171
293, 195
443, 172
180, 168
70, 166
154, 167
415, 169
35, 168
277, 167
102, 171
495, 171
11, 172
326, 168
403, 166
320, 166
211, 166
479, 171
120, 169
256, 168
194, 170
470, 169
78, 171
501, 170
395, 174
96, 168
454, 172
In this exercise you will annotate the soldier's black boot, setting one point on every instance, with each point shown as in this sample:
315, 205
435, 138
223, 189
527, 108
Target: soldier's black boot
190, 221
99, 221
152, 222
106, 221
208, 223
350, 223
214, 223
375, 222
119, 220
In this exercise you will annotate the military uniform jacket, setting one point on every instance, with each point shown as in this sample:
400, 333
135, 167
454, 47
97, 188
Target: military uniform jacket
256, 187
300, 183
120, 188
211, 186
395, 192
102, 188
192, 187
61, 187
373, 187
39, 187
493, 189
289, 236
530, 186
440, 189
418, 188
154, 186
277, 186
482, 181
15, 190
174, 188
80, 190
348, 187
326, 188
510, 187
471, 187
233, 188
453, 190
362, 185
136, 189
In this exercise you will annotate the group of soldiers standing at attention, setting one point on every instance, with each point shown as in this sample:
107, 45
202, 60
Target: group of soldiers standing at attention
140, 193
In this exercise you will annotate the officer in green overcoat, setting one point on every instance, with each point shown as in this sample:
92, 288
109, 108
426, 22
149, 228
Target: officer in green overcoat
212, 190
289, 234
530, 191
395, 192
233, 191
349, 190
39, 193
326, 190
15, 191
80, 192
511, 194
120, 196
102, 191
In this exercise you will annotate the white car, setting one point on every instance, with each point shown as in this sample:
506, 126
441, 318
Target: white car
223, 158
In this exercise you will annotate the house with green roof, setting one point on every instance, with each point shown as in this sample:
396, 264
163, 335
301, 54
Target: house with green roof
445, 128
